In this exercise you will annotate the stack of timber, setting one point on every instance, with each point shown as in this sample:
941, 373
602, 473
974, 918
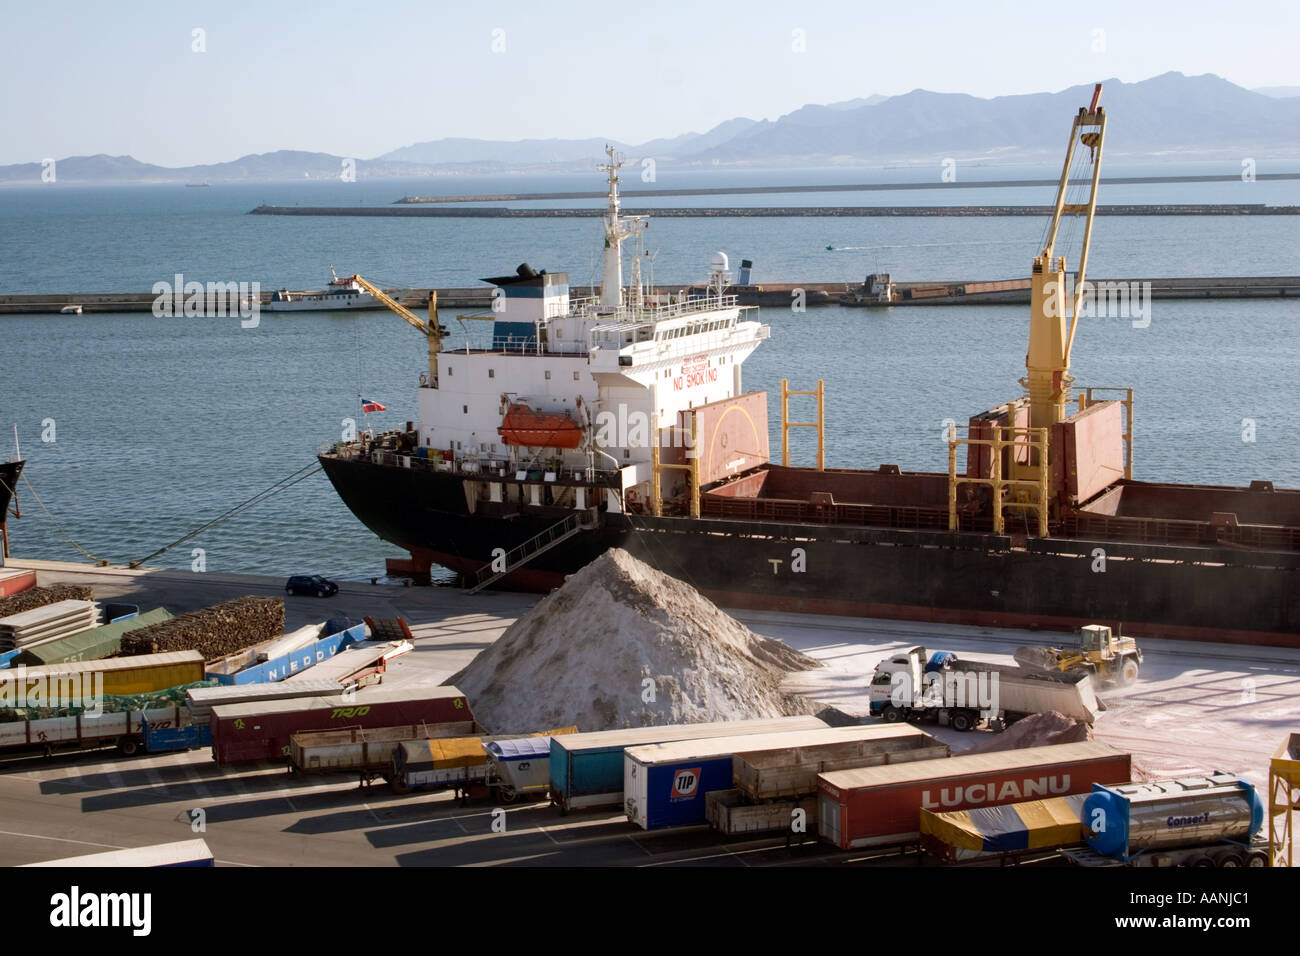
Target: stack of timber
39, 597
217, 631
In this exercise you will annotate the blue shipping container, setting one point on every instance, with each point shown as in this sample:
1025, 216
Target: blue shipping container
586, 778
295, 662
587, 769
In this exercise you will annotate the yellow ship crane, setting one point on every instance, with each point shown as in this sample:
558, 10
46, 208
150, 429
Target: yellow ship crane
1047, 363
1025, 482
432, 330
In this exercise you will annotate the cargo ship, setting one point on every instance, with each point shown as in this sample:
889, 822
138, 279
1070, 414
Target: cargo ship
621, 420
10, 471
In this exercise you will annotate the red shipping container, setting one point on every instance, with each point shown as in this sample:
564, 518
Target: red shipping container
882, 805
260, 730
11, 581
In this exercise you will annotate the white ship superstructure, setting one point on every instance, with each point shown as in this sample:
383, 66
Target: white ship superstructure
595, 381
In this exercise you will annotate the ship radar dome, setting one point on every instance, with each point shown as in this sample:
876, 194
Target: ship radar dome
719, 262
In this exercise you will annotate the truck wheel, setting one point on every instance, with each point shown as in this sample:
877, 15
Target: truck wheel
1230, 859
1128, 673
891, 714
128, 746
962, 720
1257, 858
507, 794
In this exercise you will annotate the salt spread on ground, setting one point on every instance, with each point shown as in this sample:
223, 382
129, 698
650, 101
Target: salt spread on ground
624, 645
1036, 730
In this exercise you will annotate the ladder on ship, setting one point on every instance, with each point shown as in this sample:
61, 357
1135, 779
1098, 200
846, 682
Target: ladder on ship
517, 557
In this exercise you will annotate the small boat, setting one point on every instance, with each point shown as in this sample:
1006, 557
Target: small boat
71, 310
203, 185
343, 294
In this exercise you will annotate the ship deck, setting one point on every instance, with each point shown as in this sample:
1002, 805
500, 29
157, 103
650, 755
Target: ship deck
1258, 517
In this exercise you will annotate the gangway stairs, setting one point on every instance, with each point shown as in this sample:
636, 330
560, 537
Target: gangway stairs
517, 557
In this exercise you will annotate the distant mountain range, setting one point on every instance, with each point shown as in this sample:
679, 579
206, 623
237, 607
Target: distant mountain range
1172, 114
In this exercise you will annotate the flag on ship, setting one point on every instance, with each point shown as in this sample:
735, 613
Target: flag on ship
368, 406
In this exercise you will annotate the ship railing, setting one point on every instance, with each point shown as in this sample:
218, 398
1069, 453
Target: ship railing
655, 313
1178, 531
499, 469
1026, 450
838, 513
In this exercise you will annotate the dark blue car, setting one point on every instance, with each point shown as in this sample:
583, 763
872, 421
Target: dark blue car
312, 584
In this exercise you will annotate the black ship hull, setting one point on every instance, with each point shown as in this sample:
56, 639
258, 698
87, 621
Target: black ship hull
1192, 593
9, 474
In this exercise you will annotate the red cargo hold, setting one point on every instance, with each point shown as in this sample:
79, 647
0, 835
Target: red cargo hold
882, 805
260, 730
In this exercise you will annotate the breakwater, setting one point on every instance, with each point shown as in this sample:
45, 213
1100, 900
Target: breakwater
834, 188
507, 212
768, 294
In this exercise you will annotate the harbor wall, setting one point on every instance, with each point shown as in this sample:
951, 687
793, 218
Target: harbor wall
795, 212
768, 294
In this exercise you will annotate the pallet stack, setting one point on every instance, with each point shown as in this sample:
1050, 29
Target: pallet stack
47, 623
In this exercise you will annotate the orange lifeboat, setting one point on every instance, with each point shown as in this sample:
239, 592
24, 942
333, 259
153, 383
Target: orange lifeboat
523, 426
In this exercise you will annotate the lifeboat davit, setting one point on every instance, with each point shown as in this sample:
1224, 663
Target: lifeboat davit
523, 426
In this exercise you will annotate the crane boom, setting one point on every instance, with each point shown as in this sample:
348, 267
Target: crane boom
1047, 363
431, 328
428, 328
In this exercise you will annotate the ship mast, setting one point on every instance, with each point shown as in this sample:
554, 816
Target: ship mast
616, 230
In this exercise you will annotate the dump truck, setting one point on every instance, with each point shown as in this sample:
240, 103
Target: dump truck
1101, 653
961, 694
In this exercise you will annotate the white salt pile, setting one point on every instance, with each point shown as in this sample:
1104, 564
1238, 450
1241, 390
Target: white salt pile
1036, 730
624, 645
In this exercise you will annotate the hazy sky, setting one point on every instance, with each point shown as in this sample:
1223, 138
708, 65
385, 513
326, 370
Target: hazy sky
359, 78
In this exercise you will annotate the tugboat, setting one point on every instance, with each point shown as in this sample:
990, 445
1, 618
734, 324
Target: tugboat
343, 295
585, 424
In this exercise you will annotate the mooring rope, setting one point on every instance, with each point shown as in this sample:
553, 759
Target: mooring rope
284, 483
